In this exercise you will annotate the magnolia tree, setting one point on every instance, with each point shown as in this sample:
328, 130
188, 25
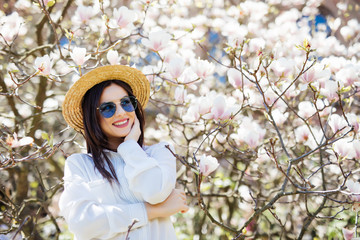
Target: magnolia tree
259, 98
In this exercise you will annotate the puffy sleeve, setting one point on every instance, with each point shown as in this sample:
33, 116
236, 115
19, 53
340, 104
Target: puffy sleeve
151, 173
86, 215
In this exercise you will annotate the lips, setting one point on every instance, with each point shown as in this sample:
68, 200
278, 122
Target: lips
121, 124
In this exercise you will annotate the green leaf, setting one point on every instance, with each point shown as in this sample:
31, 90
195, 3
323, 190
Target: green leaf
34, 184
345, 89
45, 136
51, 141
51, 3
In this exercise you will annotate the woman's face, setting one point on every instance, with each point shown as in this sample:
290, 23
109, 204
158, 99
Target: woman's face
119, 125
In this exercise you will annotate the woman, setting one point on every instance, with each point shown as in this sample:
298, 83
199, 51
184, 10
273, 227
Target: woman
119, 182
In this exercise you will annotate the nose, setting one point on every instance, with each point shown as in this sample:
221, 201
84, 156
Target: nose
119, 109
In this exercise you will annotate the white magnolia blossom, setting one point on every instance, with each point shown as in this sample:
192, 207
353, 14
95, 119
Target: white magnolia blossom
123, 18
343, 147
317, 74
306, 109
157, 41
113, 57
202, 68
10, 26
208, 164
349, 75
252, 138
337, 123
14, 142
83, 14
43, 65
176, 67
78, 55
180, 94
330, 90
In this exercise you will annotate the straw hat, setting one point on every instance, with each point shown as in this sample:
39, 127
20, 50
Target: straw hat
71, 108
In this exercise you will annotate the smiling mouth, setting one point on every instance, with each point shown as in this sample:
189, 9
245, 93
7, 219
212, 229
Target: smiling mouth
121, 124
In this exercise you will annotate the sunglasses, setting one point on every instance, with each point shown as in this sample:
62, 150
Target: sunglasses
108, 109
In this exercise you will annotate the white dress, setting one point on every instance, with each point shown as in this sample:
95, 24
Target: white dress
95, 209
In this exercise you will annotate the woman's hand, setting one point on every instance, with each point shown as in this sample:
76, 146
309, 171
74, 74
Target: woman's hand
135, 131
176, 202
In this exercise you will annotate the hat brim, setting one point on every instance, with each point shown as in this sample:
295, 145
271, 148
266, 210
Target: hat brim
71, 108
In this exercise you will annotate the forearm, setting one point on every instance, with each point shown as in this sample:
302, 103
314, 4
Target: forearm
175, 203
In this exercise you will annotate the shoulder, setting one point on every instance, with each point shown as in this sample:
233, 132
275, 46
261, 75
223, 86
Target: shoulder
158, 146
79, 166
79, 160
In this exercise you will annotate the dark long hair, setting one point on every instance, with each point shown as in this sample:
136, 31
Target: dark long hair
96, 140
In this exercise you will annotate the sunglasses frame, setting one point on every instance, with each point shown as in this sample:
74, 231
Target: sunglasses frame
133, 102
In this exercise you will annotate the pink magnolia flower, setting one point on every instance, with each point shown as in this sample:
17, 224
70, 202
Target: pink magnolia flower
189, 78
270, 97
330, 90
279, 116
306, 109
208, 164
356, 149
337, 122
202, 68
308, 138
204, 104
347, 32
354, 24
10, 26
176, 67
234, 32
198, 107
235, 78
316, 74
14, 142
302, 134
343, 147
348, 234
249, 132
43, 65
348, 75
255, 10
255, 139
78, 55
354, 188
219, 110
192, 114
335, 63
83, 14
151, 71
113, 57
256, 44
283, 67
157, 40
123, 18
180, 94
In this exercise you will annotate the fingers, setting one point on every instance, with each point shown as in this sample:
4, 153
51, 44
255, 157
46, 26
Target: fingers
185, 209
182, 196
135, 131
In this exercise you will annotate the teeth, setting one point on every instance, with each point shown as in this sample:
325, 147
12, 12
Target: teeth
120, 123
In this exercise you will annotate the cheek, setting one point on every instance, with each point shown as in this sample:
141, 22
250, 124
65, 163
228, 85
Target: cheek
132, 117
104, 123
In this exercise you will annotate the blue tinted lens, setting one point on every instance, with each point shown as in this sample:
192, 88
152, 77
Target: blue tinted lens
128, 103
107, 109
